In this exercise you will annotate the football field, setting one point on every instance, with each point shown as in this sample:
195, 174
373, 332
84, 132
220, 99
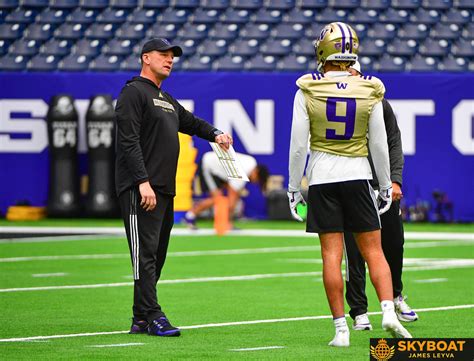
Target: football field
256, 293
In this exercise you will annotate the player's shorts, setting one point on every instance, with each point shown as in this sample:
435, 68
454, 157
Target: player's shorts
343, 206
220, 183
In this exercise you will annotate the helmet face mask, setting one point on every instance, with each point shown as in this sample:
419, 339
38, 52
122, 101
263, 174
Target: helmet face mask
337, 42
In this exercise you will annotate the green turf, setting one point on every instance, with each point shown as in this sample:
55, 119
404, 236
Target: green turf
72, 311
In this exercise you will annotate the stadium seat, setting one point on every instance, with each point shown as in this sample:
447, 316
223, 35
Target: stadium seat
38, 31
394, 16
63, 4
9, 4
11, 31
267, 16
215, 4
94, 4
35, 4
112, 16
344, 4
24, 47
431, 47
189, 46
233, 16
382, 31
131, 31
279, 4
445, 31
464, 4
464, 48
21, 16
420, 63
43, 62
331, 15
213, 48
372, 47
288, 31
83, 16
74, 62
123, 4
174, 16
468, 32
3, 15
314, 30
261, 63
167, 31
364, 16
406, 4
194, 31
313, 4
229, 63
299, 16
56, 47
455, 16
375, 4
405, 48
247, 4
276, 47
361, 30
131, 63
89, 48
105, 63
4, 45
293, 63
198, 63
255, 31
304, 47
11, 62
118, 47
209, 16
245, 48
100, 31
424, 16
154, 4
390, 64
413, 31
185, 4
437, 4
224, 31
143, 16
52, 16
453, 64
366, 64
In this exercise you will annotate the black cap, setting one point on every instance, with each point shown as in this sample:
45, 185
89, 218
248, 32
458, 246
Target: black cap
161, 44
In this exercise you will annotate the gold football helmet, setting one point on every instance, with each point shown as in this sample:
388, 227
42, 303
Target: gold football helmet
337, 42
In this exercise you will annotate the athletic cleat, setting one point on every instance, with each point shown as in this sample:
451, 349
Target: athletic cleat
162, 327
341, 339
391, 324
362, 323
139, 327
403, 311
191, 223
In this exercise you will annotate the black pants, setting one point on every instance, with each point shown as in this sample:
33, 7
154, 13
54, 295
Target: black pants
148, 236
392, 244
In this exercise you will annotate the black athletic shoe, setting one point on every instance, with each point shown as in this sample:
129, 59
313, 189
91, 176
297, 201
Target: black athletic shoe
139, 327
162, 327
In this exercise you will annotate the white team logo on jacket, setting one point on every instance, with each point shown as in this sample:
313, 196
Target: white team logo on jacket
163, 104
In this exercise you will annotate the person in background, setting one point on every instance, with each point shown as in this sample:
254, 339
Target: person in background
148, 121
214, 181
392, 234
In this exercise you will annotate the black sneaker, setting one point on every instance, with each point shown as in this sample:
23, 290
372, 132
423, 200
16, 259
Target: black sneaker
139, 327
162, 327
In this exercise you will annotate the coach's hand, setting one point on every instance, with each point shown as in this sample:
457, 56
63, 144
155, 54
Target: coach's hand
295, 198
384, 200
397, 193
148, 202
224, 141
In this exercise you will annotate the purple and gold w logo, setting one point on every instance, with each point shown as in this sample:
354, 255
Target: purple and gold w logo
341, 85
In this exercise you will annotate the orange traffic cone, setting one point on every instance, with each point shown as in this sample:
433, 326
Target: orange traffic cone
221, 215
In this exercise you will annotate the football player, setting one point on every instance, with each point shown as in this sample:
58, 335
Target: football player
338, 111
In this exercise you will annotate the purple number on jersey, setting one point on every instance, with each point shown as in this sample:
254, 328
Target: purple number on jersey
348, 119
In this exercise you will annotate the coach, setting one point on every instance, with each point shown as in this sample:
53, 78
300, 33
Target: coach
148, 121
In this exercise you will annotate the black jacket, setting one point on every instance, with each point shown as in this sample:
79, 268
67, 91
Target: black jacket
147, 145
394, 140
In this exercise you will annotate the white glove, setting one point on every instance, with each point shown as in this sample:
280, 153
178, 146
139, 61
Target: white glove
384, 200
295, 198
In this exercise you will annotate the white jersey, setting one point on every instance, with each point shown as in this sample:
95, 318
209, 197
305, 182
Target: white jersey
211, 167
326, 167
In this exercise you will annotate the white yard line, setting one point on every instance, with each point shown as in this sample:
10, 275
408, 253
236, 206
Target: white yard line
39, 275
431, 280
225, 324
256, 348
119, 345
